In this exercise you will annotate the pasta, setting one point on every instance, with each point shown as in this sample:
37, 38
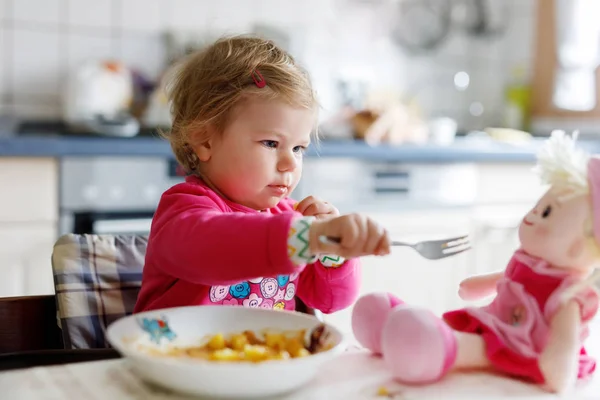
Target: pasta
247, 346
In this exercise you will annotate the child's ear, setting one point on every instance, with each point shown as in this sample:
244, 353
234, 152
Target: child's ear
203, 150
203, 145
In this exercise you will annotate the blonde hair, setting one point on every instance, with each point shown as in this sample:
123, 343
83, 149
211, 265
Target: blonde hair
562, 165
207, 85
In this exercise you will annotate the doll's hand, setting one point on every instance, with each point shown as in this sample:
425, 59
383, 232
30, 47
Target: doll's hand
358, 235
314, 207
478, 287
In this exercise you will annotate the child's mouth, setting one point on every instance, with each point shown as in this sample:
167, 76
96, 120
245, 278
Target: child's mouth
527, 222
279, 189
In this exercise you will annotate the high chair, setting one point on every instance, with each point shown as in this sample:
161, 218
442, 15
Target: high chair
96, 279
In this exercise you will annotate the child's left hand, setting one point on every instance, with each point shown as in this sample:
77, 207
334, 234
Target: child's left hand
314, 207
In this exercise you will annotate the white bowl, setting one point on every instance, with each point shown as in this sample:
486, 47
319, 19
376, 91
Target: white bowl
219, 379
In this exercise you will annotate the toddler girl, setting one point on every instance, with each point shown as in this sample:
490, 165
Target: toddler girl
243, 113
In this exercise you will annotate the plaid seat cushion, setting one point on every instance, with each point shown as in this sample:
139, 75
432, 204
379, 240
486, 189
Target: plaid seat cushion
97, 279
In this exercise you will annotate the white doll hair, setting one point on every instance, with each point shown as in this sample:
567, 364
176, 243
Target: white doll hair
563, 166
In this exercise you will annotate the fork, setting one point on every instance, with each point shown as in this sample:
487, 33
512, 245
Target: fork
429, 249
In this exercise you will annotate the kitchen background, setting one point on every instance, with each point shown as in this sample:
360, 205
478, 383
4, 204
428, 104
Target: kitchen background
42, 42
81, 97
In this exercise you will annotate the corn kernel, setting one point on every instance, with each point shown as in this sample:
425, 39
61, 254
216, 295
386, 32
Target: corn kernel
225, 354
294, 346
276, 341
217, 342
303, 353
238, 342
255, 353
282, 355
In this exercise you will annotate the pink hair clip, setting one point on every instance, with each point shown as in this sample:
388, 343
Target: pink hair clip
258, 79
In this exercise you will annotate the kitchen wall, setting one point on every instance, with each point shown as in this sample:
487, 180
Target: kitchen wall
41, 40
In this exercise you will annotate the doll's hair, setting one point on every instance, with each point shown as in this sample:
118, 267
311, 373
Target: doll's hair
562, 165
205, 87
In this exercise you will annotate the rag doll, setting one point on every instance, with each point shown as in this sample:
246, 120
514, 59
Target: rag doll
531, 329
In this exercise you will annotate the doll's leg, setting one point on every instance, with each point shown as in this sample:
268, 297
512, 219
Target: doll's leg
368, 316
470, 351
419, 347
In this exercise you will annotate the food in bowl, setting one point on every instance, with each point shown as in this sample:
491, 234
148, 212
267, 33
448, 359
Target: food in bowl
196, 325
248, 346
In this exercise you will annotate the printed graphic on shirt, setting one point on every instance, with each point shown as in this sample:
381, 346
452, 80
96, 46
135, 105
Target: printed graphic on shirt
253, 301
270, 292
229, 302
268, 287
290, 291
240, 290
280, 295
282, 280
267, 303
218, 293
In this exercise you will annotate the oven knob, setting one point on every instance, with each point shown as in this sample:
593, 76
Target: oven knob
116, 192
90, 192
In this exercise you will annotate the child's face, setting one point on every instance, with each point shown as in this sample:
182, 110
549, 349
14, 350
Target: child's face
554, 230
257, 160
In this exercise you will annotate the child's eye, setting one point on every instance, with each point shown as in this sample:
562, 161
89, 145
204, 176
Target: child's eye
547, 212
299, 149
272, 144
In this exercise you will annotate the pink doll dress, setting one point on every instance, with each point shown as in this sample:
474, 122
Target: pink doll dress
516, 325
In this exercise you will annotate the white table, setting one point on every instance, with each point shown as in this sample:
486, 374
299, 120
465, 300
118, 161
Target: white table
354, 375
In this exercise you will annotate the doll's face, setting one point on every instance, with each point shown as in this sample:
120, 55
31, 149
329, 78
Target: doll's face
555, 230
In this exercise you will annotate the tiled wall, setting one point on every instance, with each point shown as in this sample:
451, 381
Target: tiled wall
41, 40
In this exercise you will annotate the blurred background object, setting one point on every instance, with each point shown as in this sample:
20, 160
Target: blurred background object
99, 97
469, 61
566, 78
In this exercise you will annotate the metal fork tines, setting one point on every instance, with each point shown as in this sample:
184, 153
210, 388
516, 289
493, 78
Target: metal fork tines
430, 249
437, 249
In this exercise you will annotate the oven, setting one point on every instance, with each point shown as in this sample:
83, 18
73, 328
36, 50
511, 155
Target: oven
113, 195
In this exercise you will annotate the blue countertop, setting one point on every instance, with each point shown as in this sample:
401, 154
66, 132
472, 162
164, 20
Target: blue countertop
463, 149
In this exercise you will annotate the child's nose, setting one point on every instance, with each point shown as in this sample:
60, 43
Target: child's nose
287, 163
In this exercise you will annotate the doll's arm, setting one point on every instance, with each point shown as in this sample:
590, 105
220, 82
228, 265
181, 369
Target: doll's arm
477, 287
559, 360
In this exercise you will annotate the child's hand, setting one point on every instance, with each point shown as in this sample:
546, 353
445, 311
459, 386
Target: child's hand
358, 234
315, 207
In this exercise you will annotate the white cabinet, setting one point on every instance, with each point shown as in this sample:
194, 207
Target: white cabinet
508, 183
28, 218
506, 193
25, 250
495, 236
29, 189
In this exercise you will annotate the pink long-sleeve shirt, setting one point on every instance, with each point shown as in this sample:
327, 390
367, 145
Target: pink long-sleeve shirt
204, 249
